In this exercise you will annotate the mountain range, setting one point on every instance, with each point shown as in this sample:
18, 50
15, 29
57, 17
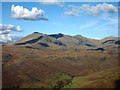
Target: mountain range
38, 40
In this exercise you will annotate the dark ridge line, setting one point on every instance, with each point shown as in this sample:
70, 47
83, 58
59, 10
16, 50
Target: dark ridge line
98, 49
30, 41
56, 35
117, 42
59, 43
89, 45
44, 44
107, 41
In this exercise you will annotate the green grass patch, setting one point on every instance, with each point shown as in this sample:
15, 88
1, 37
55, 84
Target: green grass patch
61, 76
83, 81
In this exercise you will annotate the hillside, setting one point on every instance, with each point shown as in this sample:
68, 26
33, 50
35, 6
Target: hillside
60, 61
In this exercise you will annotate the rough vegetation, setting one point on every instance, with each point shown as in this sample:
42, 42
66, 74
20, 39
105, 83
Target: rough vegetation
60, 61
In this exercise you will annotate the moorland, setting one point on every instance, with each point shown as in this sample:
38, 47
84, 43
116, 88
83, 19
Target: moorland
60, 61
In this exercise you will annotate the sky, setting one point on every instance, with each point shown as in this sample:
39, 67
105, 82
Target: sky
93, 19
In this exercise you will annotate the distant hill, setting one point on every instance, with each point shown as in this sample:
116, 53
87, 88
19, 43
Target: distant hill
55, 41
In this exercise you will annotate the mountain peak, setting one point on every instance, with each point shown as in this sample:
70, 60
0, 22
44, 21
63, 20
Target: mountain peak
78, 35
57, 35
37, 33
110, 38
60, 34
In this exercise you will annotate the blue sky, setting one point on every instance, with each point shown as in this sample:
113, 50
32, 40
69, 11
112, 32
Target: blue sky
67, 19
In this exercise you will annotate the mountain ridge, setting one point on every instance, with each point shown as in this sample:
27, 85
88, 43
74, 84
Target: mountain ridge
55, 41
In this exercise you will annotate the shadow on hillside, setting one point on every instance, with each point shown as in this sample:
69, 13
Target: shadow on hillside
117, 84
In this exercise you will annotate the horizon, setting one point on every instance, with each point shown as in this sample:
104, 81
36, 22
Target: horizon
72, 35
96, 20
59, 33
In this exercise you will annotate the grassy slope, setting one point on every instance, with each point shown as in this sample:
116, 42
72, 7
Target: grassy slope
32, 68
103, 79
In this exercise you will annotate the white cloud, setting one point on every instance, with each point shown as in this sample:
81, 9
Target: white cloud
69, 13
19, 12
96, 10
6, 29
10, 37
51, 2
93, 10
74, 11
73, 6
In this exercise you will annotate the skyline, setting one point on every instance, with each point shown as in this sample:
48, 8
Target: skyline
93, 20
